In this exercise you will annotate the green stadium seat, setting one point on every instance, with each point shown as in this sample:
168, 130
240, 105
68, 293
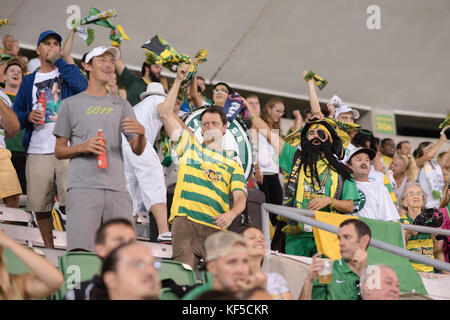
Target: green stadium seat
77, 267
179, 272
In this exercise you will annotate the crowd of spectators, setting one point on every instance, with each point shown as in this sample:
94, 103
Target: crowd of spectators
58, 119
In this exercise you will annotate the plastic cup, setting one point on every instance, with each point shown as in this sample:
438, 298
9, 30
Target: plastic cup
325, 275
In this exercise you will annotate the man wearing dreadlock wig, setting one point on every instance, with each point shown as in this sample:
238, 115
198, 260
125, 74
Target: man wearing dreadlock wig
318, 179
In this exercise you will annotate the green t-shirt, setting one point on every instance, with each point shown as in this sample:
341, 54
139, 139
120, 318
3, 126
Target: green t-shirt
342, 285
14, 143
196, 292
134, 85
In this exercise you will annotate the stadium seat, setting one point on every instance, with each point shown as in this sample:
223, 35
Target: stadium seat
167, 294
206, 276
179, 272
77, 267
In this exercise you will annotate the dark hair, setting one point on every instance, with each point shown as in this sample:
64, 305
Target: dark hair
16, 61
223, 84
101, 232
384, 141
362, 228
306, 112
201, 78
100, 291
218, 110
83, 60
145, 64
419, 151
399, 145
362, 136
249, 226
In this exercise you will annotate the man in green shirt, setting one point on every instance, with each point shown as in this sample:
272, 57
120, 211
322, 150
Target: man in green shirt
227, 261
318, 181
354, 238
135, 85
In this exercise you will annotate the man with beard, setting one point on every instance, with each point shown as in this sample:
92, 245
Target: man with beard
376, 203
206, 176
150, 71
317, 181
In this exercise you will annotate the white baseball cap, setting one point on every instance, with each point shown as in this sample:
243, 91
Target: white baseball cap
344, 109
98, 51
153, 88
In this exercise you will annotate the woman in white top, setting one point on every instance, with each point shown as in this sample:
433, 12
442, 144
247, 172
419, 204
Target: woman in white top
275, 284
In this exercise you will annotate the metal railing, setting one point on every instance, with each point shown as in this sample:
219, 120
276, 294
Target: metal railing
304, 216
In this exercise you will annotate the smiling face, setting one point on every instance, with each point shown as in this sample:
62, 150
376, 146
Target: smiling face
316, 135
255, 242
220, 95
413, 197
13, 76
101, 68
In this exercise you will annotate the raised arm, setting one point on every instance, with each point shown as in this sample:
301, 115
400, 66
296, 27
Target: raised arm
67, 47
120, 65
44, 278
9, 120
313, 99
166, 109
194, 94
430, 152
298, 120
262, 127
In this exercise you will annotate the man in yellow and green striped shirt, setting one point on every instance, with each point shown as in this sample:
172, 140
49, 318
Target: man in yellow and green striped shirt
206, 177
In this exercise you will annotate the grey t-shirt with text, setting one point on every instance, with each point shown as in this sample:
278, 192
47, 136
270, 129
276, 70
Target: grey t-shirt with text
79, 118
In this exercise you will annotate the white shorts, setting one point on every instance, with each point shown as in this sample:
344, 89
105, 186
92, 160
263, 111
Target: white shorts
144, 178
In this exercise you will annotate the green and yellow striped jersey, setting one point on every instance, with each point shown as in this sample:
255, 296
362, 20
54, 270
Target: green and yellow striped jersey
205, 178
422, 243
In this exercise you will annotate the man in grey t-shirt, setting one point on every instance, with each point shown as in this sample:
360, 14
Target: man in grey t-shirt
94, 194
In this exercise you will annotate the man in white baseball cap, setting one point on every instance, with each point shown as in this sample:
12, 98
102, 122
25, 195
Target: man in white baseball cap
345, 113
96, 193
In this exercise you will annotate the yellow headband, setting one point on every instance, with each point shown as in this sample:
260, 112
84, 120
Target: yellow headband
321, 127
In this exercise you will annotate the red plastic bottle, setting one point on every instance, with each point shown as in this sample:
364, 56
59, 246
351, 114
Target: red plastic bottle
102, 162
42, 106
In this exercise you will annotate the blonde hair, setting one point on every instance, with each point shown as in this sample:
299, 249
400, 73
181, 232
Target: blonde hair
411, 168
445, 197
265, 112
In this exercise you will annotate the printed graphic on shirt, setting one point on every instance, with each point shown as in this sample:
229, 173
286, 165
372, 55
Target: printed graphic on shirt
361, 203
48, 94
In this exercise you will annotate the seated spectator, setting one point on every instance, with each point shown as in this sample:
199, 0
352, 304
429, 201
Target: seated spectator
375, 203
129, 272
273, 283
404, 147
43, 280
109, 236
413, 201
445, 209
402, 170
221, 91
386, 279
354, 238
228, 261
